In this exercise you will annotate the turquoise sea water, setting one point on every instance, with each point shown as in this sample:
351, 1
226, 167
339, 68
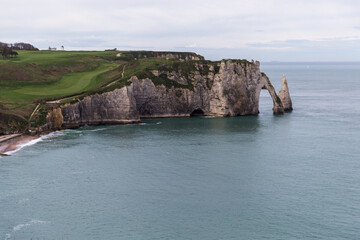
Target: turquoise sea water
295, 176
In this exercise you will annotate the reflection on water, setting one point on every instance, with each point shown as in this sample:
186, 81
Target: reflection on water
199, 125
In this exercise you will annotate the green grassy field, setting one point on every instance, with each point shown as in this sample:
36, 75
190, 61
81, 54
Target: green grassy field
68, 84
48, 75
35, 76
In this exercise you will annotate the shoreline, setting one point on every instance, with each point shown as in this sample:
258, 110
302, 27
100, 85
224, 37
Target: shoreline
11, 142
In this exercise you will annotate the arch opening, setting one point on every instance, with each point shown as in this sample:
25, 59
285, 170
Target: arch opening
266, 103
277, 104
197, 113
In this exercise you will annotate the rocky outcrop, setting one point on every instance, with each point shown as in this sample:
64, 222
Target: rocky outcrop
226, 88
55, 119
284, 95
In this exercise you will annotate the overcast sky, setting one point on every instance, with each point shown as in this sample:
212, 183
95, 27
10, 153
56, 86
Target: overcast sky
265, 30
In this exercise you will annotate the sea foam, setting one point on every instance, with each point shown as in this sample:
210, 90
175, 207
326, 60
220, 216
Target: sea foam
25, 144
34, 141
23, 225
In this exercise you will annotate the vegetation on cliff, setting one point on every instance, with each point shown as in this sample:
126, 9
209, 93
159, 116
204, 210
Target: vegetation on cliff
36, 81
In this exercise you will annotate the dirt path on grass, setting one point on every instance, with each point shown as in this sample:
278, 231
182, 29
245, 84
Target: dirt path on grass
32, 114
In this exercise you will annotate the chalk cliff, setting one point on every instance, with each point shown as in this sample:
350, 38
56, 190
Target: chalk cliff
114, 107
225, 88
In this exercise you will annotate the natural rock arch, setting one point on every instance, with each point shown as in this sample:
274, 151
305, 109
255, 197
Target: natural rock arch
278, 107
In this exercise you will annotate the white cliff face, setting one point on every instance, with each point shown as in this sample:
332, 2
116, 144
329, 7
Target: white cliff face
113, 107
236, 89
158, 101
284, 95
228, 88
217, 104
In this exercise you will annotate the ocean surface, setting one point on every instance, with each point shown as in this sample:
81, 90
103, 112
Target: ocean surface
294, 176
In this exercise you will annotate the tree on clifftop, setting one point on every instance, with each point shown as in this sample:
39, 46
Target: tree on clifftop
18, 46
24, 46
6, 52
2, 46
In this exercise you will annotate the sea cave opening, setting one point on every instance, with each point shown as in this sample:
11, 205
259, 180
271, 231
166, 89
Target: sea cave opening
197, 113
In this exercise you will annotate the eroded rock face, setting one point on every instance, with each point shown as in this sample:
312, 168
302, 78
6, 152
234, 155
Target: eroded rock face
234, 91
158, 101
230, 88
114, 107
54, 121
284, 95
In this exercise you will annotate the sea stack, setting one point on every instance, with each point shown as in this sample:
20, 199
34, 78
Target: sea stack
284, 95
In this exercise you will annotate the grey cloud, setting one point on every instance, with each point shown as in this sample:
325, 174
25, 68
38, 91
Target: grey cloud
253, 29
